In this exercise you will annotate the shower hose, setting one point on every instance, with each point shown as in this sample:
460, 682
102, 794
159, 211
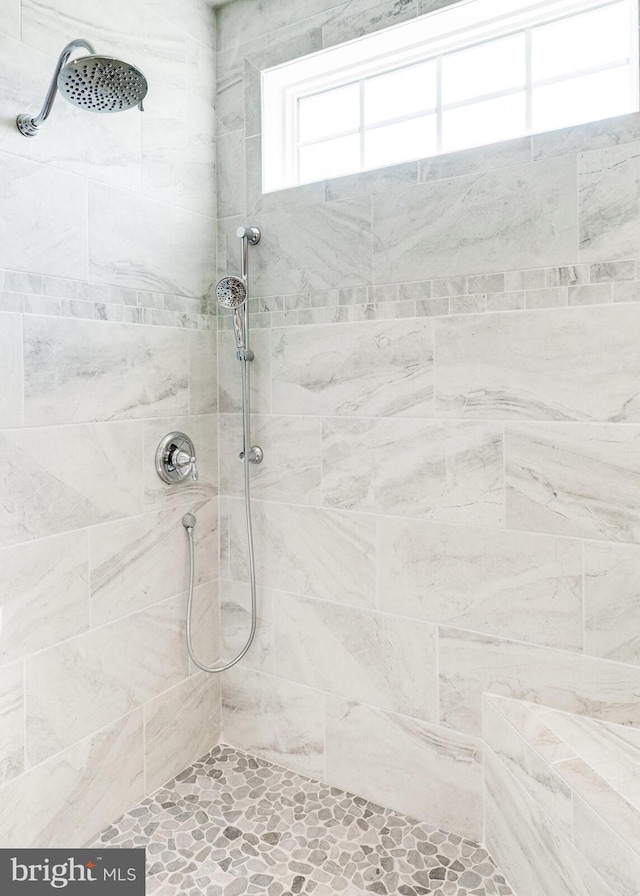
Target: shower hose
189, 522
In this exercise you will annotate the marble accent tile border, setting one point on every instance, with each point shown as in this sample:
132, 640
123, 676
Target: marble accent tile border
232, 824
24, 293
603, 283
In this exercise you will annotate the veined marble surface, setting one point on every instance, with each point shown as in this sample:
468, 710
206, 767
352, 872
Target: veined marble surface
612, 608
12, 721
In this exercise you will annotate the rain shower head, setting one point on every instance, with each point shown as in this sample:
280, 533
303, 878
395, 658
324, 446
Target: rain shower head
96, 83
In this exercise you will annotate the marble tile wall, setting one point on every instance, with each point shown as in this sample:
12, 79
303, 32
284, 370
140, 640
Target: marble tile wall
562, 807
445, 388
107, 256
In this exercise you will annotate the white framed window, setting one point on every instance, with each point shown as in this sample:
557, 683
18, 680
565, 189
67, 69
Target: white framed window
470, 74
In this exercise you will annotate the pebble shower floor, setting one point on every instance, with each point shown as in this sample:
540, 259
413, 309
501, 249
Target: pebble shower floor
232, 824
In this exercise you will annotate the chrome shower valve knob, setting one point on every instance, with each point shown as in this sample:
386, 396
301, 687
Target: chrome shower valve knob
256, 455
176, 458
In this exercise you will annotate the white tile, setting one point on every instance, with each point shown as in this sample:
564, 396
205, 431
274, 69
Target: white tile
11, 722
425, 469
493, 581
68, 477
290, 469
11, 370
381, 368
306, 550
542, 781
44, 594
274, 719
383, 757
573, 480
612, 608
529, 848
81, 371
68, 799
203, 385
138, 562
540, 366
604, 850
235, 624
143, 244
358, 654
517, 217
608, 191
83, 684
180, 726
472, 664
55, 242
10, 17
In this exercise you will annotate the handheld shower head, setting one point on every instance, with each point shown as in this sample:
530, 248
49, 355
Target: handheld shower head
231, 292
97, 83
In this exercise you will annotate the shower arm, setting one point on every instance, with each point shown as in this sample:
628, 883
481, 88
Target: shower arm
30, 126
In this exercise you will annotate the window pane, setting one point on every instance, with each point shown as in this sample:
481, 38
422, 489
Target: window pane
403, 92
330, 158
485, 122
400, 142
498, 65
588, 98
581, 42
329, 113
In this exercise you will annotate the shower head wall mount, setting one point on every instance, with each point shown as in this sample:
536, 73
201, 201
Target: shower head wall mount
96, 83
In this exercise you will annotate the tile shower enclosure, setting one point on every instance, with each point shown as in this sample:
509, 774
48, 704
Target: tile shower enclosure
445, 388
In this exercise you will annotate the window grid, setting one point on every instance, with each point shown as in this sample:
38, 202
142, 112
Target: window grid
439, 109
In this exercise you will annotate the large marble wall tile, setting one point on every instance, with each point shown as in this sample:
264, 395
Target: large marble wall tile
230, 373
10, 17
613, 751
307, 550
124, 29
201, 88
290, 470
203, 431
608, 194
196, 18
205, 627
68, 799
44, 594
498, 582
142, 244
424, 771
235, 624
11, 722
573, 480
81, 685
604, 850
351, 20
83, 371
278, 720
427, 469
178, 164
518, 217
11, 370
472, 664
61, 478
230, 157
527, 721
203, 378
142, 561
537, 776
535, 856
55, 240
381, 368
371, 657
549, 366
610, 805
319, 247
248, 19
611, 601
180, 726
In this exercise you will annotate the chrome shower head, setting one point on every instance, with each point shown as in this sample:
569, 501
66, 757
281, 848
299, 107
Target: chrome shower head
102, 84
231, 292
97, 83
